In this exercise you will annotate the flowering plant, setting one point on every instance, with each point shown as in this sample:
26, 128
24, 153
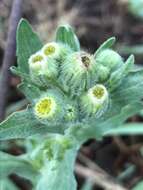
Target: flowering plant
73, 96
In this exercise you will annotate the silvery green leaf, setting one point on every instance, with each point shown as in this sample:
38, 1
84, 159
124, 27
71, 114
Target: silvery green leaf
66, 35
95, 128
88, 185
16, 106
31, 91
107, 44
118, 75
18, 72
23, 124
14, 164
27, 43
138, 186
126, 129
7, 184
128, 92
136, 8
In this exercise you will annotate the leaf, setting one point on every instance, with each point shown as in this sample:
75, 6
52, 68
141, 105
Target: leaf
7, 184
139, 186
66, 35
126, 129
16, 106
128, 92
118, 119
107, 44
96, 128
14, 164
88, 185
18, 72
30, 91
27, 43
117, 76
23, 124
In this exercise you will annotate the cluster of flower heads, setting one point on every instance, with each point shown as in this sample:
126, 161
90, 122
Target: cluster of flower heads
82, 78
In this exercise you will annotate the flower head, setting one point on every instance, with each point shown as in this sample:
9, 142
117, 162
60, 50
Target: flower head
36, 63
45, 107
98, 94
95, 101
55, 50
51, 49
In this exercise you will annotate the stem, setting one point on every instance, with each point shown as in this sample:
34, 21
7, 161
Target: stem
9, 56
59, 174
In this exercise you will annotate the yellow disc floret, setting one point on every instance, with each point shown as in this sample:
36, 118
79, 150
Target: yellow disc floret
45, 107
98, 92
37, 58
36, 63
49, 50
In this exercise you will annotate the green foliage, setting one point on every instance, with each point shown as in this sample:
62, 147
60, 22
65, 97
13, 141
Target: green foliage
88, 185
66, 35
7, 184
136, 8
11, 164
139, 186
73, 96
126, 129
27, 44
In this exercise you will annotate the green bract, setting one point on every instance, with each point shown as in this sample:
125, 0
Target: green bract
73, 96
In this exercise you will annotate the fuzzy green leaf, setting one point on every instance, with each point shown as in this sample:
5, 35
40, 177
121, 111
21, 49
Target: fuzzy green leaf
27, 44
66, 35
23, 124
7, 184
88, 185
139, 186
12, 164
18, 72
126, 129
129, 91
96, 128
117, 76
107, 44
30, 91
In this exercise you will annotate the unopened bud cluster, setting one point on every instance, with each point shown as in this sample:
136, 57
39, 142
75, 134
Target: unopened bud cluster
83, 79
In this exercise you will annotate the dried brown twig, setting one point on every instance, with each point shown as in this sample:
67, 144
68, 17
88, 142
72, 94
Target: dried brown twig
98, 178
9, 55
96, 174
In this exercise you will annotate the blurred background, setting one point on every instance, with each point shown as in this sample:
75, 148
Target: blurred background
94, 21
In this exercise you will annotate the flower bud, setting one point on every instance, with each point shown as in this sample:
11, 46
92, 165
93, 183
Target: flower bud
78, 71
42, 67
102, 73
109, 59
70, 113
95, 101
36, 62
55, 50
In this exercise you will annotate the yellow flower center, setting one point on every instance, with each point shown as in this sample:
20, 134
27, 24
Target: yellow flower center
44, 107
49, 50
37, 58
98, 92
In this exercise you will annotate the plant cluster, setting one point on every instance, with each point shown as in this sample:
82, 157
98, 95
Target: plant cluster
73, 96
